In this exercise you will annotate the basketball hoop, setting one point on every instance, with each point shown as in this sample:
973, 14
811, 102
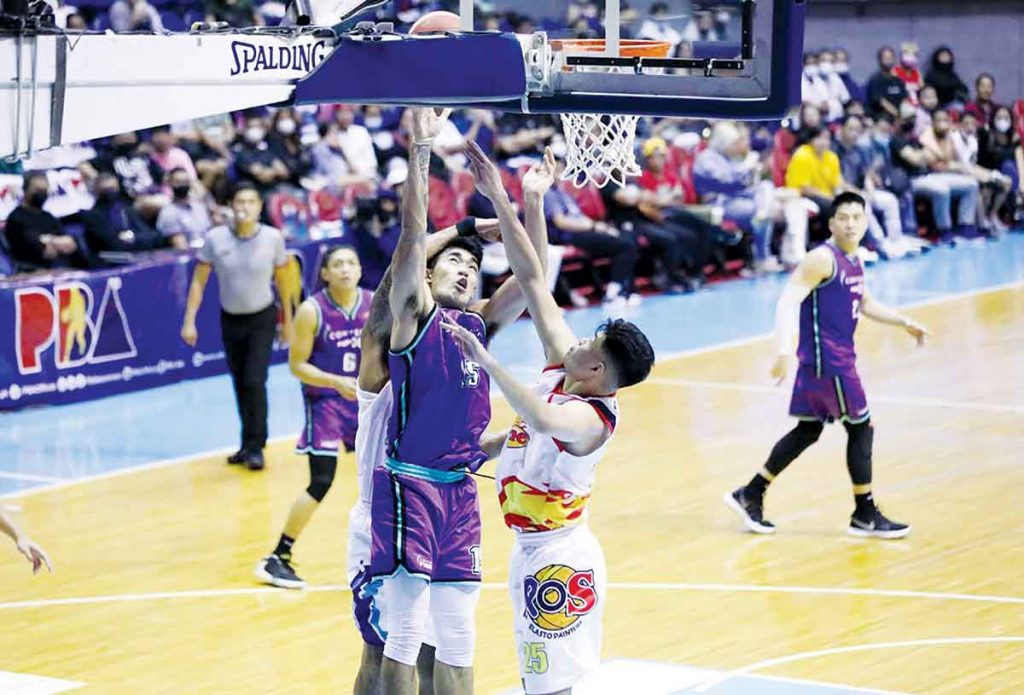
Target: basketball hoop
599, 147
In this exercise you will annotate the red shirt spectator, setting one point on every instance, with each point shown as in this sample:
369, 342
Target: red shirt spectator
908, 72
657, 177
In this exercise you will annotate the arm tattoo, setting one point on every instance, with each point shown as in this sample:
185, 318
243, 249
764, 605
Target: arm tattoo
423, 159
378, 323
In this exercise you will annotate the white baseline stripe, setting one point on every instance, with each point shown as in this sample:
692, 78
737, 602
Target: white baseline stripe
30, 477
900, 400
666, 358
768, 663
500, 586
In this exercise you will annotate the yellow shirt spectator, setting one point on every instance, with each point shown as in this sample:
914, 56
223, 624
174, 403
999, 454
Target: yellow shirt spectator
818, 172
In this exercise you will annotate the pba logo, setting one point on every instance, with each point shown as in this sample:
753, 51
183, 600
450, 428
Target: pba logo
557, 596
67, 319
518, 437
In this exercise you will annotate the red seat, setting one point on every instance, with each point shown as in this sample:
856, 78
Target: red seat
588, 198
1018, 114
289, 214
325, 206
513, 184
463, 183
781, 153
442, 203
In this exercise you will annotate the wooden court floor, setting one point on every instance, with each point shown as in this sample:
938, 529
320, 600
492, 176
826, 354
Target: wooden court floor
153, 590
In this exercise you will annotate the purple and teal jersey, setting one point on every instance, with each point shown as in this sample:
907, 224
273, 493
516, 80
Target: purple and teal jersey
442, 400
828, 318
336, 345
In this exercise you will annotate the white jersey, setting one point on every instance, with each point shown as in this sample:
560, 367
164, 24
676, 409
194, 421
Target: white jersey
371, 436
541, 486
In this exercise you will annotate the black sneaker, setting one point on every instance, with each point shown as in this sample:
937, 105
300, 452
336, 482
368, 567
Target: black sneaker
749, 510
238, 457
278, 572
874, 524
254, 461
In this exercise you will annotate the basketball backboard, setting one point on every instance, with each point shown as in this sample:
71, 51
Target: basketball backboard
733, 59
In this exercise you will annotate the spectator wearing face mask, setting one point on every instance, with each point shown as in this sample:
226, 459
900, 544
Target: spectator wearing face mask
134, 15
949, 88
885, 90
813, 89
255, 162
999, 149
36, 238
114, 225
907, 70
995, 187
984, 105
894, 179
168, 156
927, 103
185, 221
285, 143
837, 94
853, 88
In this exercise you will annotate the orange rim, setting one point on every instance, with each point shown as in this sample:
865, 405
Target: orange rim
628, 48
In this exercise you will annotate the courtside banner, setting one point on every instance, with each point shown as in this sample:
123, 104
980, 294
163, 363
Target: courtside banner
82, 336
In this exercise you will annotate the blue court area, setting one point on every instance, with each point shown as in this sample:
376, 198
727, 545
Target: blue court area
44, 446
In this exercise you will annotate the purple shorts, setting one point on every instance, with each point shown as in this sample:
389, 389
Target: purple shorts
431, 528
365, 608
828, 398
330, 425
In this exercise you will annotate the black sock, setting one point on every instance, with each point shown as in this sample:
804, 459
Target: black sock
284, 547
865, 503
785, 451
756, 487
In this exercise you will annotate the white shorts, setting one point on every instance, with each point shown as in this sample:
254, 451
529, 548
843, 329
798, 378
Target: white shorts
559, 585
359, 539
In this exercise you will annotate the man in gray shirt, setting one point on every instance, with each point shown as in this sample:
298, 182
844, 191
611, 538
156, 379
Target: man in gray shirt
184, 221
246, 258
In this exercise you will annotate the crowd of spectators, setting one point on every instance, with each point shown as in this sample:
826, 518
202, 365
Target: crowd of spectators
937, 162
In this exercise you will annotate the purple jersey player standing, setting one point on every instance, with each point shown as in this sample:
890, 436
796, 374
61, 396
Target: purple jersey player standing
324, 354
829, 290
424, 509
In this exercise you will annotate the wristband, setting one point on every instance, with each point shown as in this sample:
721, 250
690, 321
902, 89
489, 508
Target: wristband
466, 227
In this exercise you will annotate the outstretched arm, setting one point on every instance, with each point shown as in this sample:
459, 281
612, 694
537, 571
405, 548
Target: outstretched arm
527, 267
409, 296
32, 552
812, 271
508, 302
573, 422
876, 311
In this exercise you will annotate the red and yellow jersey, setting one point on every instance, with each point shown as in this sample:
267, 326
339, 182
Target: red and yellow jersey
541, 486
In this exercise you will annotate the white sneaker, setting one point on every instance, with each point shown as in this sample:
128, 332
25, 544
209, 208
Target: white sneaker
866, 255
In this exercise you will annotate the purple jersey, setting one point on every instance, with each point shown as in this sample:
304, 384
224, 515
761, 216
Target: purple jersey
828, 318
442, 398
336, 345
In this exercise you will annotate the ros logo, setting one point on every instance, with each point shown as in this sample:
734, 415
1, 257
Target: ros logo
557, 596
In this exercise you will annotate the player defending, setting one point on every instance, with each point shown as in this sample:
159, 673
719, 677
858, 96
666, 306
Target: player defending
425, 513
557, 576
324, 356
829, 291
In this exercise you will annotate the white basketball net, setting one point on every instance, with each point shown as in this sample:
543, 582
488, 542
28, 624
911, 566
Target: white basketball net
599, 148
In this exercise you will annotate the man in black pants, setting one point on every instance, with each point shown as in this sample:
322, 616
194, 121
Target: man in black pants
246, 257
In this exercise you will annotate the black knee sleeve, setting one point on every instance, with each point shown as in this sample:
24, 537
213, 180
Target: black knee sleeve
321, 475
859, 444
793, 444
